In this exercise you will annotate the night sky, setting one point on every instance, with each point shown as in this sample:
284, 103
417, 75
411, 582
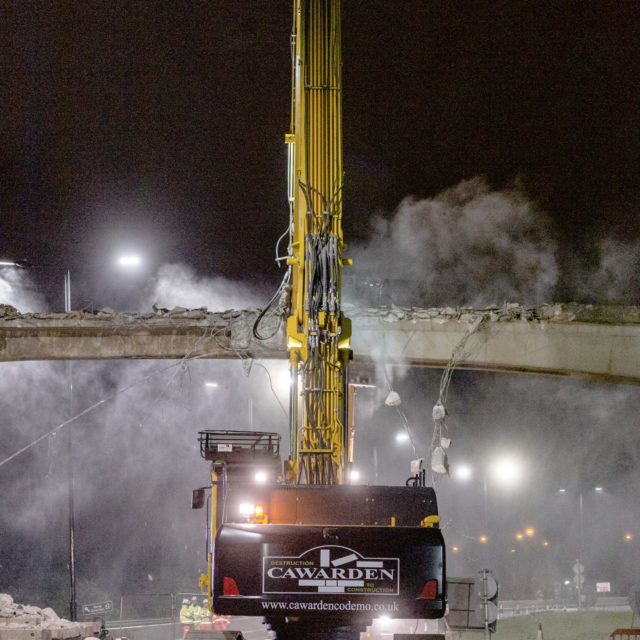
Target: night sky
159, 128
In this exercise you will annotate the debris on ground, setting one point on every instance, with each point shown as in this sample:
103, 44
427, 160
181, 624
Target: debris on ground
27, 622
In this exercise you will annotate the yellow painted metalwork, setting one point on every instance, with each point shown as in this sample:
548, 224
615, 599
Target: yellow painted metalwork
259, 515
430, 521
205, 581
318, 335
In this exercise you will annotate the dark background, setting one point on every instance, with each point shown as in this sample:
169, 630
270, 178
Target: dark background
160, 126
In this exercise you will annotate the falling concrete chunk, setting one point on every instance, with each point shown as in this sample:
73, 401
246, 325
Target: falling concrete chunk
393, 399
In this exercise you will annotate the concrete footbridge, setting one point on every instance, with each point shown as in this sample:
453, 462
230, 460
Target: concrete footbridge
588, 341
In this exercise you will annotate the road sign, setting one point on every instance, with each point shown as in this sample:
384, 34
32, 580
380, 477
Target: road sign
579, 579
578, 567
486, 586
603, 587
97, 607
492, 611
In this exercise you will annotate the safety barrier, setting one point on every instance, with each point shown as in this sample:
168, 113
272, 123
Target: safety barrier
625, 634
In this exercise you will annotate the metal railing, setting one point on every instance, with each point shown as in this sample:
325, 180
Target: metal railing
511, 608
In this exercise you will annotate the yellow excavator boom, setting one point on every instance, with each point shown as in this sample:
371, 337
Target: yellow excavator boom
318, 334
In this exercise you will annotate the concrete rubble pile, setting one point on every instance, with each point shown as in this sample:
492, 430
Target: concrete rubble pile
26, 622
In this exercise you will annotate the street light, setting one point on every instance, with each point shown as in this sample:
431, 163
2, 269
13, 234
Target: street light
507, 471
462, 472
73, 605
129, 260
578, 566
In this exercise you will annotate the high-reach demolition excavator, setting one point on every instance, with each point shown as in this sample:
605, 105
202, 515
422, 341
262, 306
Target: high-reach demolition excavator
293, 542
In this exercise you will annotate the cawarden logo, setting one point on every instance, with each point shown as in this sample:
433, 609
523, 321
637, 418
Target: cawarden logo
330, 569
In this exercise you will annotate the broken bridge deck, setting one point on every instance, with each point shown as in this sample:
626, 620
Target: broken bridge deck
595, 342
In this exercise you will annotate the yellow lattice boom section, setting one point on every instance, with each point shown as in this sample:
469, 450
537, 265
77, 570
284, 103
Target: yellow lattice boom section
318, 335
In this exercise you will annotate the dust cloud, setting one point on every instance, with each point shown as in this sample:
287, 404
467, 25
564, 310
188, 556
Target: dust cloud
617, 277
467, 246
136, 458
471, 245
178, 285
18, 290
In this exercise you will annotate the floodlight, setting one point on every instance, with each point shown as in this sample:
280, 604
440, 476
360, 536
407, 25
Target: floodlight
129, 260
